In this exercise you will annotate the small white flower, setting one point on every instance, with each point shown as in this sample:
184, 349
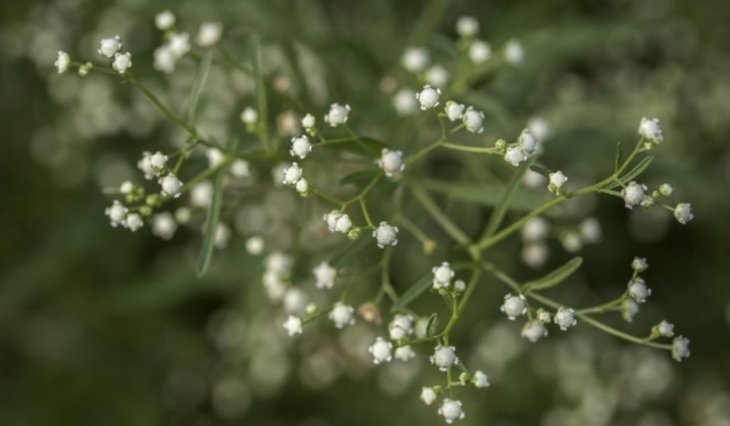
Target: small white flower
249, 115
164, 20
122, 62
201, 194
459, 286
145, 165
117, 212
544, 316
539, 127
683, 213
633, 194
514, 53
292, 174
442, 275
528, 142
480, 52
209, 34
275, 286
221, 236
293, 325
680, 348
629, 309
337, 115
300, 146
215, 157
535, 254
110, 46
164, 225
480, 379
513, 306
171, 186
558, 179
467, 26
302, 187
428, 395
386, 235
404, 353
342, 315
295, 301
590, 230
164, 59
571, 242
437, 76
415, 59
565, 318
401, 326
183, 215
666, 329
650, 129
534, 179
444, 357
240, 169
255, 246
381, 351
534, 331
308, 121
404, 102
338, 221
515, 155
428, 97
451, 410
391, 162
126, 187
666, 189
179, 44
158, 161
63, 62
454, 110
473, 120
133, 222
279, 263
639, 264
324, 276
535, 229
638, 290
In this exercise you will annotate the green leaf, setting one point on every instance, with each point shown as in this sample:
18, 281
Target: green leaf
211, 224
504, 203
353, 249
634, 172
617, 158
261, 107
553, 278
415, 290
540, 169
198, 85
360, 177
431, 324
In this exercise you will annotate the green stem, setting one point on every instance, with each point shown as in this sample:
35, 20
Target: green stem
439, 216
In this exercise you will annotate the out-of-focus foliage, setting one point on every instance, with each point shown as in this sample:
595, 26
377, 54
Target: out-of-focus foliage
102, 327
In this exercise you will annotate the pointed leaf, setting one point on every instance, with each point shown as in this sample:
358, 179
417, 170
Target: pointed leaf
617, 158
553, 278
431, 324
211, 224
198, 85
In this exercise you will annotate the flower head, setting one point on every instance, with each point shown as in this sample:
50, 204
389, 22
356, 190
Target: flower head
558, 179
639, 264
110, 46
513, 306
249, 115
444, 357
337, 115
442, 275
651, 130
454, 110
381, 351
565, 318
683, 213
164, 20
171, 185
308, 121
680, 348
122, 62
133, 222
116, 213
209, 34
401, 326
292, 174
428, 97
514, 53
451, 410
404, 353
534, 331
473, 120
437, 76
391, 162
638, 290
515, 155
428, 395
63, 62
164, 225
338, 221
633, 194
293, 325
300, 146
479, 51
665, 329
415, 59
386, 235
324, 276
342, 315
467, 26
480, 379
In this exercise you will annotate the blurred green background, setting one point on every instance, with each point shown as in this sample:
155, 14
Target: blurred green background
100, 327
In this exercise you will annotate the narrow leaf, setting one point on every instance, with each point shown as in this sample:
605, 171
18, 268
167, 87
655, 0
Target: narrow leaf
261, 107
617, 158
198, 86
431, 324
555, 277
415, 290
353, 249
504, 203
540, 169
211, 224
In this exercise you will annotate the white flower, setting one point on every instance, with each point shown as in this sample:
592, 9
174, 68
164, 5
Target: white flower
480, 51
164, 225
428, 97
683, 213
110, 46
404, 102
633, 194
117, 212
473, 120
513, 306
428, 395
145, 165
650, 129
179, 44
638, 290
201, 194
639, 264
240, 169
171, 186
381, 351
386, 235
680, 348
164, 20
63, 62
571, 241
444, 357
590, 230
480, 379
539, 127
126, 187
275, 286
391, 162
513, 52
451, 410
278, 263
535, 229
454, 110
666, 189
404, 353
308, 121
209, 33
533, 331
302, 187
515, 155
255, 246
558, 179
300, 147
565, 318
293, 325
342, 315
215, 157
528, 142
295, 300
534, 179
442, 275
338, 221
249, 115
437, 76
164, 59
401, 326
182, 215
122, 62
544, 316
535, 254
629, 309
467, 26
221, 236
337, 115
665, 329
133, 222
292, 174
324, 276
415, 59
459, 285
158, 161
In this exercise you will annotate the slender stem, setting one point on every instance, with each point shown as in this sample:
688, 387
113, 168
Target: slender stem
365, 213
439, 216
424, 151
477, 149
330, 198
